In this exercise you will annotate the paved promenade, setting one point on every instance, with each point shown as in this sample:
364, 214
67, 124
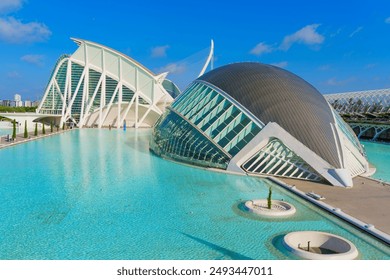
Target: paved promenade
368, 200
20, 137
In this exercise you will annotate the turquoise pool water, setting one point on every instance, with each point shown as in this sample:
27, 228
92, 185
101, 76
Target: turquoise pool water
99, 194
379, 155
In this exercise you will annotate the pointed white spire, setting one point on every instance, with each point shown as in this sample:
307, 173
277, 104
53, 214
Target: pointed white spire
211, 56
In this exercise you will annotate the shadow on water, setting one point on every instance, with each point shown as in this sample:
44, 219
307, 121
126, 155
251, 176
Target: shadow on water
226, 252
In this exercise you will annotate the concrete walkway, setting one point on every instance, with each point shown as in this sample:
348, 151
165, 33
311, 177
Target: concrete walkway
20, 137
368, 200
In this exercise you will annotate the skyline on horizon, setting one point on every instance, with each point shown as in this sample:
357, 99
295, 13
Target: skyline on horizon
336, 47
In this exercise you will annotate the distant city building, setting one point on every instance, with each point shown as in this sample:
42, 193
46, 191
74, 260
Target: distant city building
17, 97
19, 103
35, 103
18, 100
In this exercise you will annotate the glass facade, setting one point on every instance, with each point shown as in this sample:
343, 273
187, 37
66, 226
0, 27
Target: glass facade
277, 159
177, 139
348, 132
217, 128
218, 118
53, 102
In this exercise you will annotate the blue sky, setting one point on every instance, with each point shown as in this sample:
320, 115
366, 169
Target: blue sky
335, 45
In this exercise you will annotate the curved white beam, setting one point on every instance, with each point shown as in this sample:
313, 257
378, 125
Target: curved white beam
211, 54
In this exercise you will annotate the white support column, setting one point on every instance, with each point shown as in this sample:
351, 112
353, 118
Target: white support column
52, 97
136, 110
108, 107
126, 111
85, 88
103, 91
59, 90
136, 98
68, 89
118, 125
146, 113
69, 109
92, 99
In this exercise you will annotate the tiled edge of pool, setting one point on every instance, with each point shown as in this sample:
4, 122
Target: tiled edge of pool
10, 144
337, 212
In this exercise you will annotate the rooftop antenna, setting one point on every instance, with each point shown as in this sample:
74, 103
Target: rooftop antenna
210, 58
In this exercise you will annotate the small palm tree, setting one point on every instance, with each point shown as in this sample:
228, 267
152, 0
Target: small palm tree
36, 129
43, 128
51, 127
269, 199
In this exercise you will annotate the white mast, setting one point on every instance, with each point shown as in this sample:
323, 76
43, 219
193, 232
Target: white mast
211, 55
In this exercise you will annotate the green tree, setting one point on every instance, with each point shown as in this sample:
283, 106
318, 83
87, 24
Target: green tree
14, 130
269, 199
36, 129
63, 126
43, 128
25, 130
51, 127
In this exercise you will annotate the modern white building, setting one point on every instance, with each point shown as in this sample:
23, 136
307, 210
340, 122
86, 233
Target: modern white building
260, 120
97, 86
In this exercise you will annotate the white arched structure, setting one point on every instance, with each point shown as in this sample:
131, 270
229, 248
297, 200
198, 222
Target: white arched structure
97, 86
370, 101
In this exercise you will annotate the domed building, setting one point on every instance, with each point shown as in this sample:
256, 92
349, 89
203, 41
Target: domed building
259, 119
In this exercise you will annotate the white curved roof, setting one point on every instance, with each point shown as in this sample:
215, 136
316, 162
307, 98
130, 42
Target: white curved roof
120, 67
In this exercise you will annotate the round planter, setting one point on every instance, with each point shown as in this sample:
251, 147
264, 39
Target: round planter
318, 245
278, 208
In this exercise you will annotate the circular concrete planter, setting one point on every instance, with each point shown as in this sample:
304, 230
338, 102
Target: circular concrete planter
322, 246
278, 208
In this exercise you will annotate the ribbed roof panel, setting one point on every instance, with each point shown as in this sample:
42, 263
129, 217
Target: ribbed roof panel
273, 94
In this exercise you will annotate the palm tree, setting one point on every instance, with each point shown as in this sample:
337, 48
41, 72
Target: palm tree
36, 129
43, 128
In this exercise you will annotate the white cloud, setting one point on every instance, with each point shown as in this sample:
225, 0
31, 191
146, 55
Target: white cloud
36, 59
335, 82
325, 67
282, 64
14, 31
261, 48
13, 74
357, 30
7, 6
387, 20
370, 65
308, 35
160, 51
173, 68
337, 32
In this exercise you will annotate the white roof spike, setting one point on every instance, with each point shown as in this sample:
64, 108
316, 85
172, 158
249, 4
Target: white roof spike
161, 77
211, 55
